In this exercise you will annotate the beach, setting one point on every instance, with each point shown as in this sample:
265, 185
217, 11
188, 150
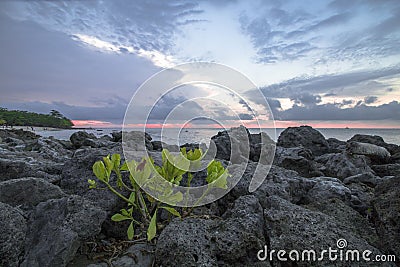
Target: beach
320, 190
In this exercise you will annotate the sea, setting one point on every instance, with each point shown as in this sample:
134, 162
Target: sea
197, 135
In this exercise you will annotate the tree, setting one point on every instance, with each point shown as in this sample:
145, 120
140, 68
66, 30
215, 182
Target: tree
3, 122
57, 114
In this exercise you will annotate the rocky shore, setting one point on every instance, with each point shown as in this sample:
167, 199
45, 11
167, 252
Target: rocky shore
318, 191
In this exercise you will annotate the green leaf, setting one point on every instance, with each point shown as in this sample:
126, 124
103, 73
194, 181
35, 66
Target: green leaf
130, 231
116, 160
172, 211
100, 171
132, 197
92, 183
119, 217
151, 231
124, 167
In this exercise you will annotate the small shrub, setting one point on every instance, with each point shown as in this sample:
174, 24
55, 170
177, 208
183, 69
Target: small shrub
142, 173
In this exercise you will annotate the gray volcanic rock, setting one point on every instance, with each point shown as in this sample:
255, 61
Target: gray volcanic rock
231, 241
376, 140
56, 229
343, 165
376, 153
291, 227
298, 159
304, 136
77, 171
12, 235
386, 205
387, 169
28, 191
238, 145
365, 178
335, 145
84, 139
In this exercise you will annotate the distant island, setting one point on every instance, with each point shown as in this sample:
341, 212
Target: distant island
24, 118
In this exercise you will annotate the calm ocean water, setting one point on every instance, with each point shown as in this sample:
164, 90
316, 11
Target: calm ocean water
174, 136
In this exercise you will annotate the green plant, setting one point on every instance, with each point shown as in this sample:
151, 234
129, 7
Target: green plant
146, 174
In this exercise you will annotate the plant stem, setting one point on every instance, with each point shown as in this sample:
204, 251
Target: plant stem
120, 195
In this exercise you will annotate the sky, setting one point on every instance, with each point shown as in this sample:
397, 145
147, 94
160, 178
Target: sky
322, 63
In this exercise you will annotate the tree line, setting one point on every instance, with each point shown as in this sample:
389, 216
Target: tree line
24, 118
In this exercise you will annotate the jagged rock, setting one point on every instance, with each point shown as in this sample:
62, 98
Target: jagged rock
238, 145
376, 140
298, 159
335, 145
15, 165
138, 255
56, 229
386, 205
343, 165
291, 227
328, 188
376, 153
78, 170
12, 235
84, 139
365, 178
304, 136
28, 191
280, 182
231, 241
387, 169
137, 141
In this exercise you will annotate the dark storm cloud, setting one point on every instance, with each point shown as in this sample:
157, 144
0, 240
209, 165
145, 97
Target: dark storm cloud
390, 111
330, 83
306, 99
185, 108
370, 99
41, 65
245, 116
148, 25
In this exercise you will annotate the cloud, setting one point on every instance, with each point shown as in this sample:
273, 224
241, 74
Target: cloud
370, 99
330, 112
345, 83
46, 66
306, 99
341, 30
144, 27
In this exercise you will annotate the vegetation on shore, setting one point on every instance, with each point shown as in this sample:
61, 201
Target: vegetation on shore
146, 173
24, 118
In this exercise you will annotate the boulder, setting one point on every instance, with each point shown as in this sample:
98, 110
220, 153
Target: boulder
304, 136
12, 235
386, 209
28, 192
365, 178
77, 171
376, 140
377, 154
343, 165
387, 169
335, 145
56, 229
298, 159
291, 227
327, 188
84, 139
231, 241
238, 145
